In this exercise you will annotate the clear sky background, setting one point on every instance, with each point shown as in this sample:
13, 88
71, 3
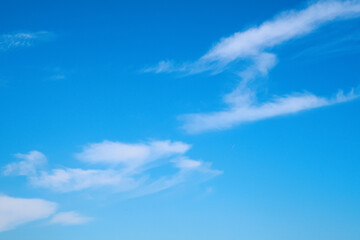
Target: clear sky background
180, 120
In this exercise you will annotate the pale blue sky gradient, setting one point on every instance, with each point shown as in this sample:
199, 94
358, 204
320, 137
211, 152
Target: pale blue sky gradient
80, 84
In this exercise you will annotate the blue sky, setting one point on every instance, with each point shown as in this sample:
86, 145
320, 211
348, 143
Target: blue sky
180, 120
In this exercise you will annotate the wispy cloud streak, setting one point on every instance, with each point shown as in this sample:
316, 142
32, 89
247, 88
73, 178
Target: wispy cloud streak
256, 41
254, 45
124, 167
250, 110
22, 39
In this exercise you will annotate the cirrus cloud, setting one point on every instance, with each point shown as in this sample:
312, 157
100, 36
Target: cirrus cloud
125, 167
254, 45
22, 39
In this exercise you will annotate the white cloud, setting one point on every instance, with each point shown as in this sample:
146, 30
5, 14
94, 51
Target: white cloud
120, 181
70, 218
248, 110
262, 63
131, 155
185, 163
18, 211
254, 42
189, 171
286, 26
30, 164
69, 179
21, 39
254, 45
134, 173
164, 66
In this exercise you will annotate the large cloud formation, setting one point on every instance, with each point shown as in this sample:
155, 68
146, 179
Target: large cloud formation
254, 45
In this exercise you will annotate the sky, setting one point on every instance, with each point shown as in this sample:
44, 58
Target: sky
180, 120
